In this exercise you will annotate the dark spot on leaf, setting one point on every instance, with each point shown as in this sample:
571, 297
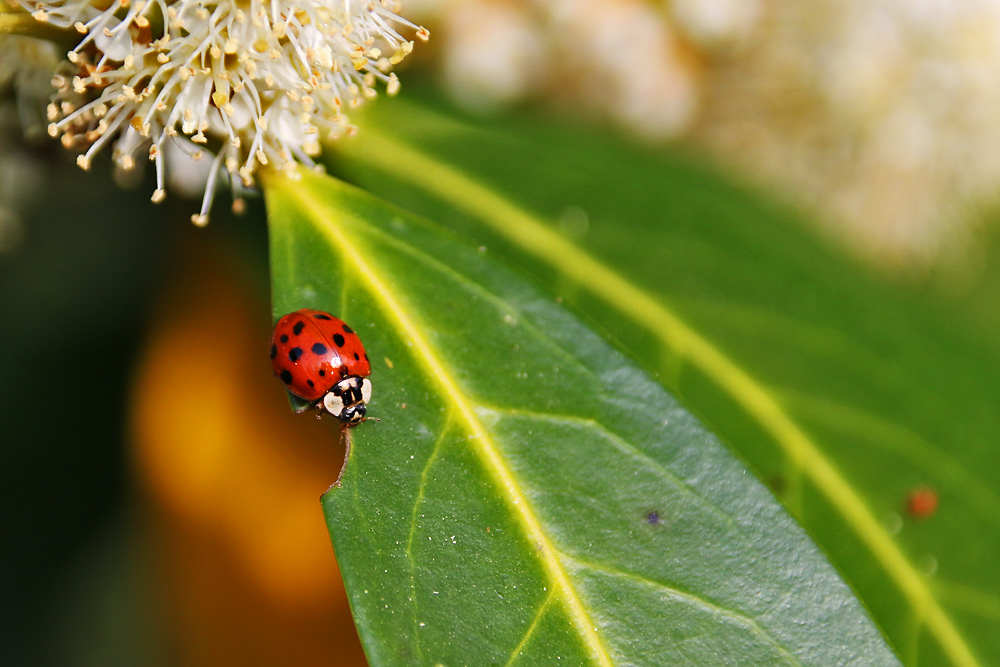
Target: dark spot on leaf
274, 351
321, 316
294, 354
299, 326
338, 340
653, 518
348, 329
284, 338
286, 376
319, 348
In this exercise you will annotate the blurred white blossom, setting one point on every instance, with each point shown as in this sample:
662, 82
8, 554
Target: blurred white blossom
881, 116
26, 64
619, 58
494, 55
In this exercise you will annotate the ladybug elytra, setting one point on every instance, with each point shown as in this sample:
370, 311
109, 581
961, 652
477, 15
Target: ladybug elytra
321, 360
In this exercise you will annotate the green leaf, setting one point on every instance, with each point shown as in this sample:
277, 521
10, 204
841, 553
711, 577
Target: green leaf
529, 494
845, 391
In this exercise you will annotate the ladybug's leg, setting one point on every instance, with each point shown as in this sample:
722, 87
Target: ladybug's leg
311, 406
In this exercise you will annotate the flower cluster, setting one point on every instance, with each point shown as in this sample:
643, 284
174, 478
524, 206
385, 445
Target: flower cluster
243, 83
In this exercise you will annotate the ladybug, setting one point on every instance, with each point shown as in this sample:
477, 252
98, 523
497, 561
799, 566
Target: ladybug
321, 360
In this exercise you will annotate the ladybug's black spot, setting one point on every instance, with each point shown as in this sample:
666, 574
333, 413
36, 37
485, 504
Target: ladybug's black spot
348, 329
294, 354
299, 326
356, 357
366, 357
274, 351
286, 376
310, 383
322, 372
321, 316
284, 338
319, 348
338, 339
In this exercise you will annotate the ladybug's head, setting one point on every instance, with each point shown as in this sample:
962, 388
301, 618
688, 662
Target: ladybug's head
348, 399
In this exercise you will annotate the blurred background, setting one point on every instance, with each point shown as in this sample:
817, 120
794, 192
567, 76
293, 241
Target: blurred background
140, 419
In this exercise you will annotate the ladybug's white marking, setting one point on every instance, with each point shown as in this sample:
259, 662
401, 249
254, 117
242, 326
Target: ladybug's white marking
333, 403
366, 390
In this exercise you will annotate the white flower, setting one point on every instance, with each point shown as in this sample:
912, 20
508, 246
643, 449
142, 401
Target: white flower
244, 83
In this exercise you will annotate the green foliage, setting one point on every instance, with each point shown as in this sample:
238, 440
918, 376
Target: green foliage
530, 494
841, 390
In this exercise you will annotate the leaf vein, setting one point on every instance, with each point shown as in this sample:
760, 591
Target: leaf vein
905, 443
480, 291
690, 598
421, 487
516, 653
626, 447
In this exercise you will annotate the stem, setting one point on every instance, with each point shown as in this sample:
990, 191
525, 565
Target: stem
14, 21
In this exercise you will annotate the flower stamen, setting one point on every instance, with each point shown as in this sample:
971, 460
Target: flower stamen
257, 82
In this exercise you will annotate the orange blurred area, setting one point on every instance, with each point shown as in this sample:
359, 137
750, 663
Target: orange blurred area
232, 481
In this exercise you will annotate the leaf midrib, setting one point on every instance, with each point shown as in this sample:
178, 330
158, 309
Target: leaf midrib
903, 442
481, 441
538, 239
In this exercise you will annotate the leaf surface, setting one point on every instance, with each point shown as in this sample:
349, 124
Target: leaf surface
530, 495
846, 393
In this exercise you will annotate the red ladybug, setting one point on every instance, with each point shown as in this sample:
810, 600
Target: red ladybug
320, 359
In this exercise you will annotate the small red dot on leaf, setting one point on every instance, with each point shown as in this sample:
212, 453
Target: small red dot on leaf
921, 503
